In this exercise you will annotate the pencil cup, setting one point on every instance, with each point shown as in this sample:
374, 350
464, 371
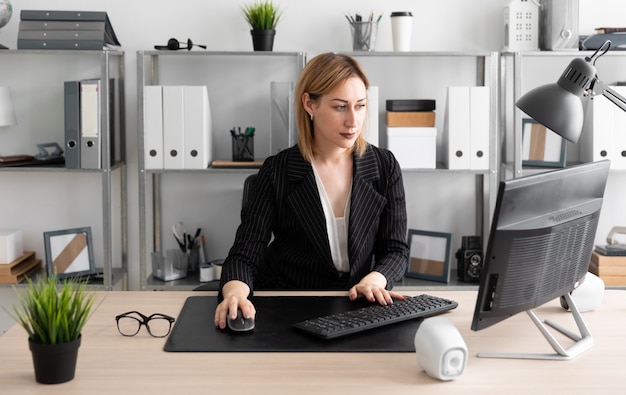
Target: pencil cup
364, 35
171, 267
243, 148
401, 26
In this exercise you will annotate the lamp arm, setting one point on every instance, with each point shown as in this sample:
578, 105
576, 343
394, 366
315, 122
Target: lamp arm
609, 93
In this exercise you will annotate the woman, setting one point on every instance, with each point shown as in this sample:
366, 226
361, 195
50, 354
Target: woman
333, 204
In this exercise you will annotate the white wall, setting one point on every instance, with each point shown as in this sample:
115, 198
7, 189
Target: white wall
309, 26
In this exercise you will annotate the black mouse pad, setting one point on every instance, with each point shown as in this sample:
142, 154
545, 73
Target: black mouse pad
194, 330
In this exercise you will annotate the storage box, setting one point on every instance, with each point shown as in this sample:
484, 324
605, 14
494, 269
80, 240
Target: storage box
411, 118
173, 266
611, 269
415, 147
11, 245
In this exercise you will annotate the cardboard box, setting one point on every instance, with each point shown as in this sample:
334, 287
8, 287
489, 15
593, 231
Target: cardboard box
11, 245
411, 118
611, 269
413, 147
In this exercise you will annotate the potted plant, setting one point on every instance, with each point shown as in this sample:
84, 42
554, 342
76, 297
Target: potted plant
262, 16
53, 312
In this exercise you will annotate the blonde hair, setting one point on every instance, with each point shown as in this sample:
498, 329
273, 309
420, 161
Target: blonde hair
321, 75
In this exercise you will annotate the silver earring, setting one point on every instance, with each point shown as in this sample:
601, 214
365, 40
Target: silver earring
311, 115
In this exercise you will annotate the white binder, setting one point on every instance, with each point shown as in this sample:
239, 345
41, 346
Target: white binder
479, 127
619, 133
173, 127
197, 127
153, 126
372, 134
457, 128
596, 141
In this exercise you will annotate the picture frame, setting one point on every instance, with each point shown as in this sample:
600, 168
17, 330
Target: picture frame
541, 147
69, 252
429, 255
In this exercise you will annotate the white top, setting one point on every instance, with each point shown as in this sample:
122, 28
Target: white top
336, 227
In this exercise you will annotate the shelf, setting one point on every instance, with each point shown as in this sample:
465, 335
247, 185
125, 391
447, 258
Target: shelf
60, 168
191, 282
36, 78
175, 68
238, 85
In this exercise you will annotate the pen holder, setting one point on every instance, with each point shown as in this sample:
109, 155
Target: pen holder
171, 267
243, 148
194, 259
364, 35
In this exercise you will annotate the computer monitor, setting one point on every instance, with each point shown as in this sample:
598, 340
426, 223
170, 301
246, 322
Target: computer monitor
541, 240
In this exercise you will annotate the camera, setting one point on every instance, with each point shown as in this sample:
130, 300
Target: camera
470, 259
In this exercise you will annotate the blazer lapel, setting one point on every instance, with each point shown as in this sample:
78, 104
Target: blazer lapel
305, 203
366, 204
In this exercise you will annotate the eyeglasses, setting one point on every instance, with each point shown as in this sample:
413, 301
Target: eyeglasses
158, 325
174, 45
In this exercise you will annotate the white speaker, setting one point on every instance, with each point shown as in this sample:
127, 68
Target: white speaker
440, 348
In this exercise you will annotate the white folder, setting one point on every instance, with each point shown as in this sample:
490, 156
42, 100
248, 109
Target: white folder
197, 124
153, 126
596, 141
619, 133
457, 128
372, 134
479, 127
173, 127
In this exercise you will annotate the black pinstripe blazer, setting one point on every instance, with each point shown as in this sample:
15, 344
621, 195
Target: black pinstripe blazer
285, 203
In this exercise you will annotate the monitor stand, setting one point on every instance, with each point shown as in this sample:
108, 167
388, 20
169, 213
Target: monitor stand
582, 341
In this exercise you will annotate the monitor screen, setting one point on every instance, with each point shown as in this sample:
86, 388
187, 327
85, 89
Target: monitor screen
541, 240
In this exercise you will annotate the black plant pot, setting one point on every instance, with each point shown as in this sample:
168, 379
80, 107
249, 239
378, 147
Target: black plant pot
54, 363
263, 40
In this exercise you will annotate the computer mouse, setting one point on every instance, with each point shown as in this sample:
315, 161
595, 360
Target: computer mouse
240, 324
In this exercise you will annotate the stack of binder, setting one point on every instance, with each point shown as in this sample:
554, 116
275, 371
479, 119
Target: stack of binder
78, 30
466, 128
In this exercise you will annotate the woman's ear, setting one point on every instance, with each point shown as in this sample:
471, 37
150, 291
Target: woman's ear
307, 103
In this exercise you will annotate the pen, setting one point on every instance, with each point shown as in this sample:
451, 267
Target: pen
203, 258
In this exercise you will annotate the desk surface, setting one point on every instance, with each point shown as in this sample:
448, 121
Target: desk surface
112, 364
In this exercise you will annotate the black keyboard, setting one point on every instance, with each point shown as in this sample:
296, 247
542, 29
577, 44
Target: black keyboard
374, 316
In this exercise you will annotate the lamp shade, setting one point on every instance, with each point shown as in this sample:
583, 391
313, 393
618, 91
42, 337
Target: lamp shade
556, 109
7, 110
559, 106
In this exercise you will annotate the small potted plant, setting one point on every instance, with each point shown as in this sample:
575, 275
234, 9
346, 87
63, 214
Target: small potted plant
262, 16
53, 312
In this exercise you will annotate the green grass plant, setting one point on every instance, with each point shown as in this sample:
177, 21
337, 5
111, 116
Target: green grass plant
54, 311
262, 15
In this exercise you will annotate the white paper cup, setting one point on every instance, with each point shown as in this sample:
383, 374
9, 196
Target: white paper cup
401, 27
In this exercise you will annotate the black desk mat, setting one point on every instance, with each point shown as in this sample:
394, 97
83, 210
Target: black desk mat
194, 330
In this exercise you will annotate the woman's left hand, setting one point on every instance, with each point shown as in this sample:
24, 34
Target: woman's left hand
372, 287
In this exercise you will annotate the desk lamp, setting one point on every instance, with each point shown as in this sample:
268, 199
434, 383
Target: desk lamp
559, 106
7, 111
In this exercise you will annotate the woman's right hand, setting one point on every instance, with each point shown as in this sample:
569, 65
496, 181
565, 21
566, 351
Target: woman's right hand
235, 295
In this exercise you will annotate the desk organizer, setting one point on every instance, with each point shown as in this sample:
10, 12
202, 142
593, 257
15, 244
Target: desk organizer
171, 267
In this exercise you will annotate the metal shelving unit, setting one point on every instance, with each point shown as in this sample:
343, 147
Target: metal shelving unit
410, 75
37, 78
226, 75
523, 71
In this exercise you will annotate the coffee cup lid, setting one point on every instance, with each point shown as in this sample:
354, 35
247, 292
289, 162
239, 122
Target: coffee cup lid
401, 13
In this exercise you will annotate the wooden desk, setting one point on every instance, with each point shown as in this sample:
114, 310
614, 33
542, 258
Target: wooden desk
112, 364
